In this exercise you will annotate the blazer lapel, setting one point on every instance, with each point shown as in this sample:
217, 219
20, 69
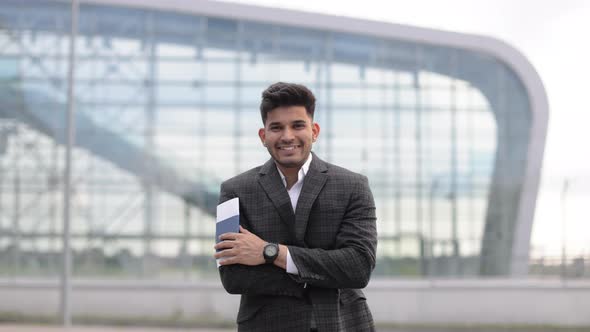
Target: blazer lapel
314, 181
270, 180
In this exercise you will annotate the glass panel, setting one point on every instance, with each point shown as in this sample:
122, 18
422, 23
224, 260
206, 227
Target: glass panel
168, 108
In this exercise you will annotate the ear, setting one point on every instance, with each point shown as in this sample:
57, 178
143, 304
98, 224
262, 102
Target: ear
262, 135
315, 130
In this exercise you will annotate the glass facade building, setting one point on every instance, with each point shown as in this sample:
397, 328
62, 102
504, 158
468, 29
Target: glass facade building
448, 128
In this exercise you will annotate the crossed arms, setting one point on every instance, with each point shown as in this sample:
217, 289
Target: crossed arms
348, 265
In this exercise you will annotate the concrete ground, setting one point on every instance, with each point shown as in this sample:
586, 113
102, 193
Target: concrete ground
49, 328
45, 328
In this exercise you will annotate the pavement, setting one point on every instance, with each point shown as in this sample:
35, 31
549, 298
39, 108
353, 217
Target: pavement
47, 328
54, 328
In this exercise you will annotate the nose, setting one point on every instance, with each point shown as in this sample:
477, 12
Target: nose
287, 135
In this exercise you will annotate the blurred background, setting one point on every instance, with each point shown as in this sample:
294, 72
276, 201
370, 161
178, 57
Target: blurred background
468, 117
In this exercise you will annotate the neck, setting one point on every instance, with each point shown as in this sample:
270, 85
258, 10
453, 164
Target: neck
291, 175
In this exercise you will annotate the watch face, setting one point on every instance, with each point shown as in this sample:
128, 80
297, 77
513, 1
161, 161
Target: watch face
270, 250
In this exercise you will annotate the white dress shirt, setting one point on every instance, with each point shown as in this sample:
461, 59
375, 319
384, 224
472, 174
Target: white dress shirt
294, 193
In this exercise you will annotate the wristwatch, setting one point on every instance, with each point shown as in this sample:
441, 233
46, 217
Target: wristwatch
270, 252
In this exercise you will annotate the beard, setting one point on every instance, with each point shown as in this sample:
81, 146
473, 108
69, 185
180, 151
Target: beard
295, 161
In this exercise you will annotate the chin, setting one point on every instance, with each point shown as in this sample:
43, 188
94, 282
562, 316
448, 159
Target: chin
290, 163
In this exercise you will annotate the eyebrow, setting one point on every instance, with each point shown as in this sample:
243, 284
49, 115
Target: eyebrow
280, 124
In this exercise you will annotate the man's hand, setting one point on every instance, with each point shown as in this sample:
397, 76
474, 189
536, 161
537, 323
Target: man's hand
240, 248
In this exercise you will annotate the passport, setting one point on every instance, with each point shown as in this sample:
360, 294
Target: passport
228, 219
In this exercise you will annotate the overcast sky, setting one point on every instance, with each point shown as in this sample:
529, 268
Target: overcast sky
553, 35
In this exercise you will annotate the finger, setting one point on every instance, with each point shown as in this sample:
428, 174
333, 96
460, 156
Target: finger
224, 245
228, 261
224, 253
229, 236
243, 230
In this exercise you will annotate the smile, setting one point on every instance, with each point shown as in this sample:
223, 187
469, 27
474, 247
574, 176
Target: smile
289, 147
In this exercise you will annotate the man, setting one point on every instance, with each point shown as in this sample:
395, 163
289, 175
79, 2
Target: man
307, 237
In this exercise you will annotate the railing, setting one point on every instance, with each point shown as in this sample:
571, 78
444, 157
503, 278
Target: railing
567, 268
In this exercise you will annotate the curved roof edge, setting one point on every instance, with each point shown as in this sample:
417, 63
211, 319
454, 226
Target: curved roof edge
487, 45
505, 53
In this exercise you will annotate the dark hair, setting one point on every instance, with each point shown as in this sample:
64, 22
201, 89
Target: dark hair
286, 94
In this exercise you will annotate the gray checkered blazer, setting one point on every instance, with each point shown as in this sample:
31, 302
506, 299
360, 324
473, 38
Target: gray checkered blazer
332, 239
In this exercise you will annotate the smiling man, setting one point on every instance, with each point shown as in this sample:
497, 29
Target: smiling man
307, 236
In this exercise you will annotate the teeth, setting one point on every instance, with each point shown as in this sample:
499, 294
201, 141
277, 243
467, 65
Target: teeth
288, 147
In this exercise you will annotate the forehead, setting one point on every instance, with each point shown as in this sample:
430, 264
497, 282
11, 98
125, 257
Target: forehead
287, 114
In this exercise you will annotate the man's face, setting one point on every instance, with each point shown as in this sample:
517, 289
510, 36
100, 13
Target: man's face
288, 135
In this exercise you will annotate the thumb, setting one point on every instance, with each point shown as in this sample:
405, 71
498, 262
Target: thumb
243, 230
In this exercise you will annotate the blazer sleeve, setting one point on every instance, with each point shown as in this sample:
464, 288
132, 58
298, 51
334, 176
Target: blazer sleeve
262, 279
350, 264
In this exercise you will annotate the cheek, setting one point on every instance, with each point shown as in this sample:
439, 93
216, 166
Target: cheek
269, 137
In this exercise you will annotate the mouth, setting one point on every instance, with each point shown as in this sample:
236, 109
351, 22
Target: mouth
288, 147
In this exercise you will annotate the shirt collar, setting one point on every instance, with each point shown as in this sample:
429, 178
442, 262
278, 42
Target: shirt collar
302, 171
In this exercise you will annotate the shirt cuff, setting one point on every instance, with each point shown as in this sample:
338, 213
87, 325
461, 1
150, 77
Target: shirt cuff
291, 267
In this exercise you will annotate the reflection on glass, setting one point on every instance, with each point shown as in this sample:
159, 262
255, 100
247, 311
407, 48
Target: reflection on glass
184, 102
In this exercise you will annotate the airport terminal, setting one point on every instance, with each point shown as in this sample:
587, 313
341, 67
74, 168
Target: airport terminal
449, 128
